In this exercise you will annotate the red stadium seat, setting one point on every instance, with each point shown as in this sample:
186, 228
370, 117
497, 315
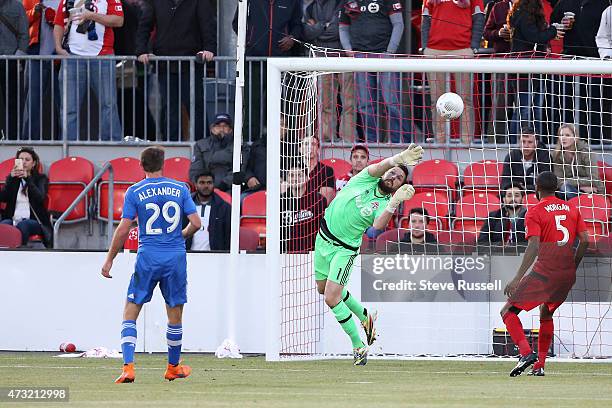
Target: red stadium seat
10, 237
483, 175
436, 204
177, 168
605, 175
341, 167
529, 200
472, 210
5, 169
131, 243
254, 212
68, 177
249, 239
595, 210
127, 171
435, 175
225, 196
390, 236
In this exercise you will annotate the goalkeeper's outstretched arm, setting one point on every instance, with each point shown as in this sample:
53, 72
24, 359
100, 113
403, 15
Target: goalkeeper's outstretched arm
402, 194
409, 157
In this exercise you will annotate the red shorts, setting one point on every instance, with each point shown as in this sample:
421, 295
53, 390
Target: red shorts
536, 289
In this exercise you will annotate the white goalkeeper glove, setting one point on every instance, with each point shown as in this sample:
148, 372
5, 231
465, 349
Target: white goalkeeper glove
409, 157
402, 194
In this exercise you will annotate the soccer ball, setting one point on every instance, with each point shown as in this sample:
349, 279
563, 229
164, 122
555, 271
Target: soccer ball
449, 105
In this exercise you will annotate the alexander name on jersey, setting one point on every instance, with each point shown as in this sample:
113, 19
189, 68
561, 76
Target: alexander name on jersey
159, 191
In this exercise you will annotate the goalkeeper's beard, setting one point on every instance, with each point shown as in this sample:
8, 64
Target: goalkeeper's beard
384, 187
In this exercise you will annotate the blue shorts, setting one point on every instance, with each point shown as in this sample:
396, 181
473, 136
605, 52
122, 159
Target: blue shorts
169, 269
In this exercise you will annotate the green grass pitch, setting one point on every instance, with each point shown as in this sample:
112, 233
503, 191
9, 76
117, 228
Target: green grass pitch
335, 383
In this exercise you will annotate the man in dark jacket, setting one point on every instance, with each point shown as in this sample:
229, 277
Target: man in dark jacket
216, 215
524, 164
271, 27
215, 153
506, 226
182, 28
255, 169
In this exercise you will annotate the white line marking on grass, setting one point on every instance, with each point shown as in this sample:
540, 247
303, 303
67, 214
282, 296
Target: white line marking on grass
359, 382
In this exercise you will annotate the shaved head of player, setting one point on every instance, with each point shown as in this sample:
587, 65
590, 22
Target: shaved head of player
370, 198
551, 228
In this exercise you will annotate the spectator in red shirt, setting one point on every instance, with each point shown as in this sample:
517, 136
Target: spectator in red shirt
89, 33
452, 28
360, 155
320, 177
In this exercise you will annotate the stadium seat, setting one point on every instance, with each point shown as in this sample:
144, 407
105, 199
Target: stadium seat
436, 204
435, 175
5, 169
131, 243
127, 171
605, 175
225, 196
249, 239
472, 210
10, 237
254, 212
529, 200
68, 177
177, 168
595, 210
392, 235
483, 176
341, 167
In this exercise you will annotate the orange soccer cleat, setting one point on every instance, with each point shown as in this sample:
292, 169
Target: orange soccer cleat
127, 376
178, 371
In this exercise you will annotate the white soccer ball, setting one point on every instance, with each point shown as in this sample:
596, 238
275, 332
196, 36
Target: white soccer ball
449, 105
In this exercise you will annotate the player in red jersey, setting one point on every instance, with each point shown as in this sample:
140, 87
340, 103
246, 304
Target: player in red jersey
552, 226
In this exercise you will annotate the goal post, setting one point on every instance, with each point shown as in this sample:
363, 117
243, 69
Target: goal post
295, 312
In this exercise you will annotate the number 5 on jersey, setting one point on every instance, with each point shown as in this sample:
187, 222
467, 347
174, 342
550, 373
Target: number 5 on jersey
561, 227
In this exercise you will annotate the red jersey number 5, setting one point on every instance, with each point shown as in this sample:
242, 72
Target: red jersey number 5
560, 227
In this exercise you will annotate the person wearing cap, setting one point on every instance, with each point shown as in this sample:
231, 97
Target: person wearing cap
215, 153
360, 155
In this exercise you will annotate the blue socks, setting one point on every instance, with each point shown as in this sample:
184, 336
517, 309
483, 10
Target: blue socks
174, 336
128, 340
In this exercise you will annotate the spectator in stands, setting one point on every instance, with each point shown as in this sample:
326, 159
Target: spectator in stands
321, 29
255, 169
530, 33
24, 194
506, 226
418, 234
594, 108
320, 177
272, 28
215, 153
89, 33
574, 164
371, 26
41, 76
13, 41
302, 211
216, 216
452, 28
604, 34
523, 165
497, 33
182, 28
360, 155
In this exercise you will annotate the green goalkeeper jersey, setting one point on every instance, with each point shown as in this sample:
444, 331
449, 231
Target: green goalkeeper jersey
355, 208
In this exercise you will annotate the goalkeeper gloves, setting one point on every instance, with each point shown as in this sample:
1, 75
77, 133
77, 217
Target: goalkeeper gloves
402, 194
409, 157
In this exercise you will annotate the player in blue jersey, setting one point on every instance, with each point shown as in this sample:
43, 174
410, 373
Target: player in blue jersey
159, 203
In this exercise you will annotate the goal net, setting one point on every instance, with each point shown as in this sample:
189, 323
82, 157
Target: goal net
465, 224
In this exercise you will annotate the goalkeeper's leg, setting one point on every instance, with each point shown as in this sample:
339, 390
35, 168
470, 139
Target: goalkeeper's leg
367, 319
333, 299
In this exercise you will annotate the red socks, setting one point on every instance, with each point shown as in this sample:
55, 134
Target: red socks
515, 328
547, 329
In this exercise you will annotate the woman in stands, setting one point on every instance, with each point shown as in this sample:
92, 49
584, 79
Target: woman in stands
574, 164
24, 194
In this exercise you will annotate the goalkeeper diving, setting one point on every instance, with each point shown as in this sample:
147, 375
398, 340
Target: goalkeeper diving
370, 198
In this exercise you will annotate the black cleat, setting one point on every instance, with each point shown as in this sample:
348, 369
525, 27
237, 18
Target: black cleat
537, 372
524, 363
368, 327
360, 356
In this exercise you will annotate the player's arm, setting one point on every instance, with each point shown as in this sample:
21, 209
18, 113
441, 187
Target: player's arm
402, 194
195, 223
409, 157
531, 253
119, 237
583, 244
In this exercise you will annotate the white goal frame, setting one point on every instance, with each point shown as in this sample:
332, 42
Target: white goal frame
275, 68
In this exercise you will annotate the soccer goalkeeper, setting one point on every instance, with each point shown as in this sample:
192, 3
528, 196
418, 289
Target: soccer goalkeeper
370, 198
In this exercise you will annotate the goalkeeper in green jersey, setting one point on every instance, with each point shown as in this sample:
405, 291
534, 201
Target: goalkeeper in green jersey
370, 198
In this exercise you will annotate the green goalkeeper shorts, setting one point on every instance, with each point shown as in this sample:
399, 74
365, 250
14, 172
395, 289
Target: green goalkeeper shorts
332, 261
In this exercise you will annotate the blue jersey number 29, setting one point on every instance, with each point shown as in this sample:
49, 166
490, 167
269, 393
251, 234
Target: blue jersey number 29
173, 219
